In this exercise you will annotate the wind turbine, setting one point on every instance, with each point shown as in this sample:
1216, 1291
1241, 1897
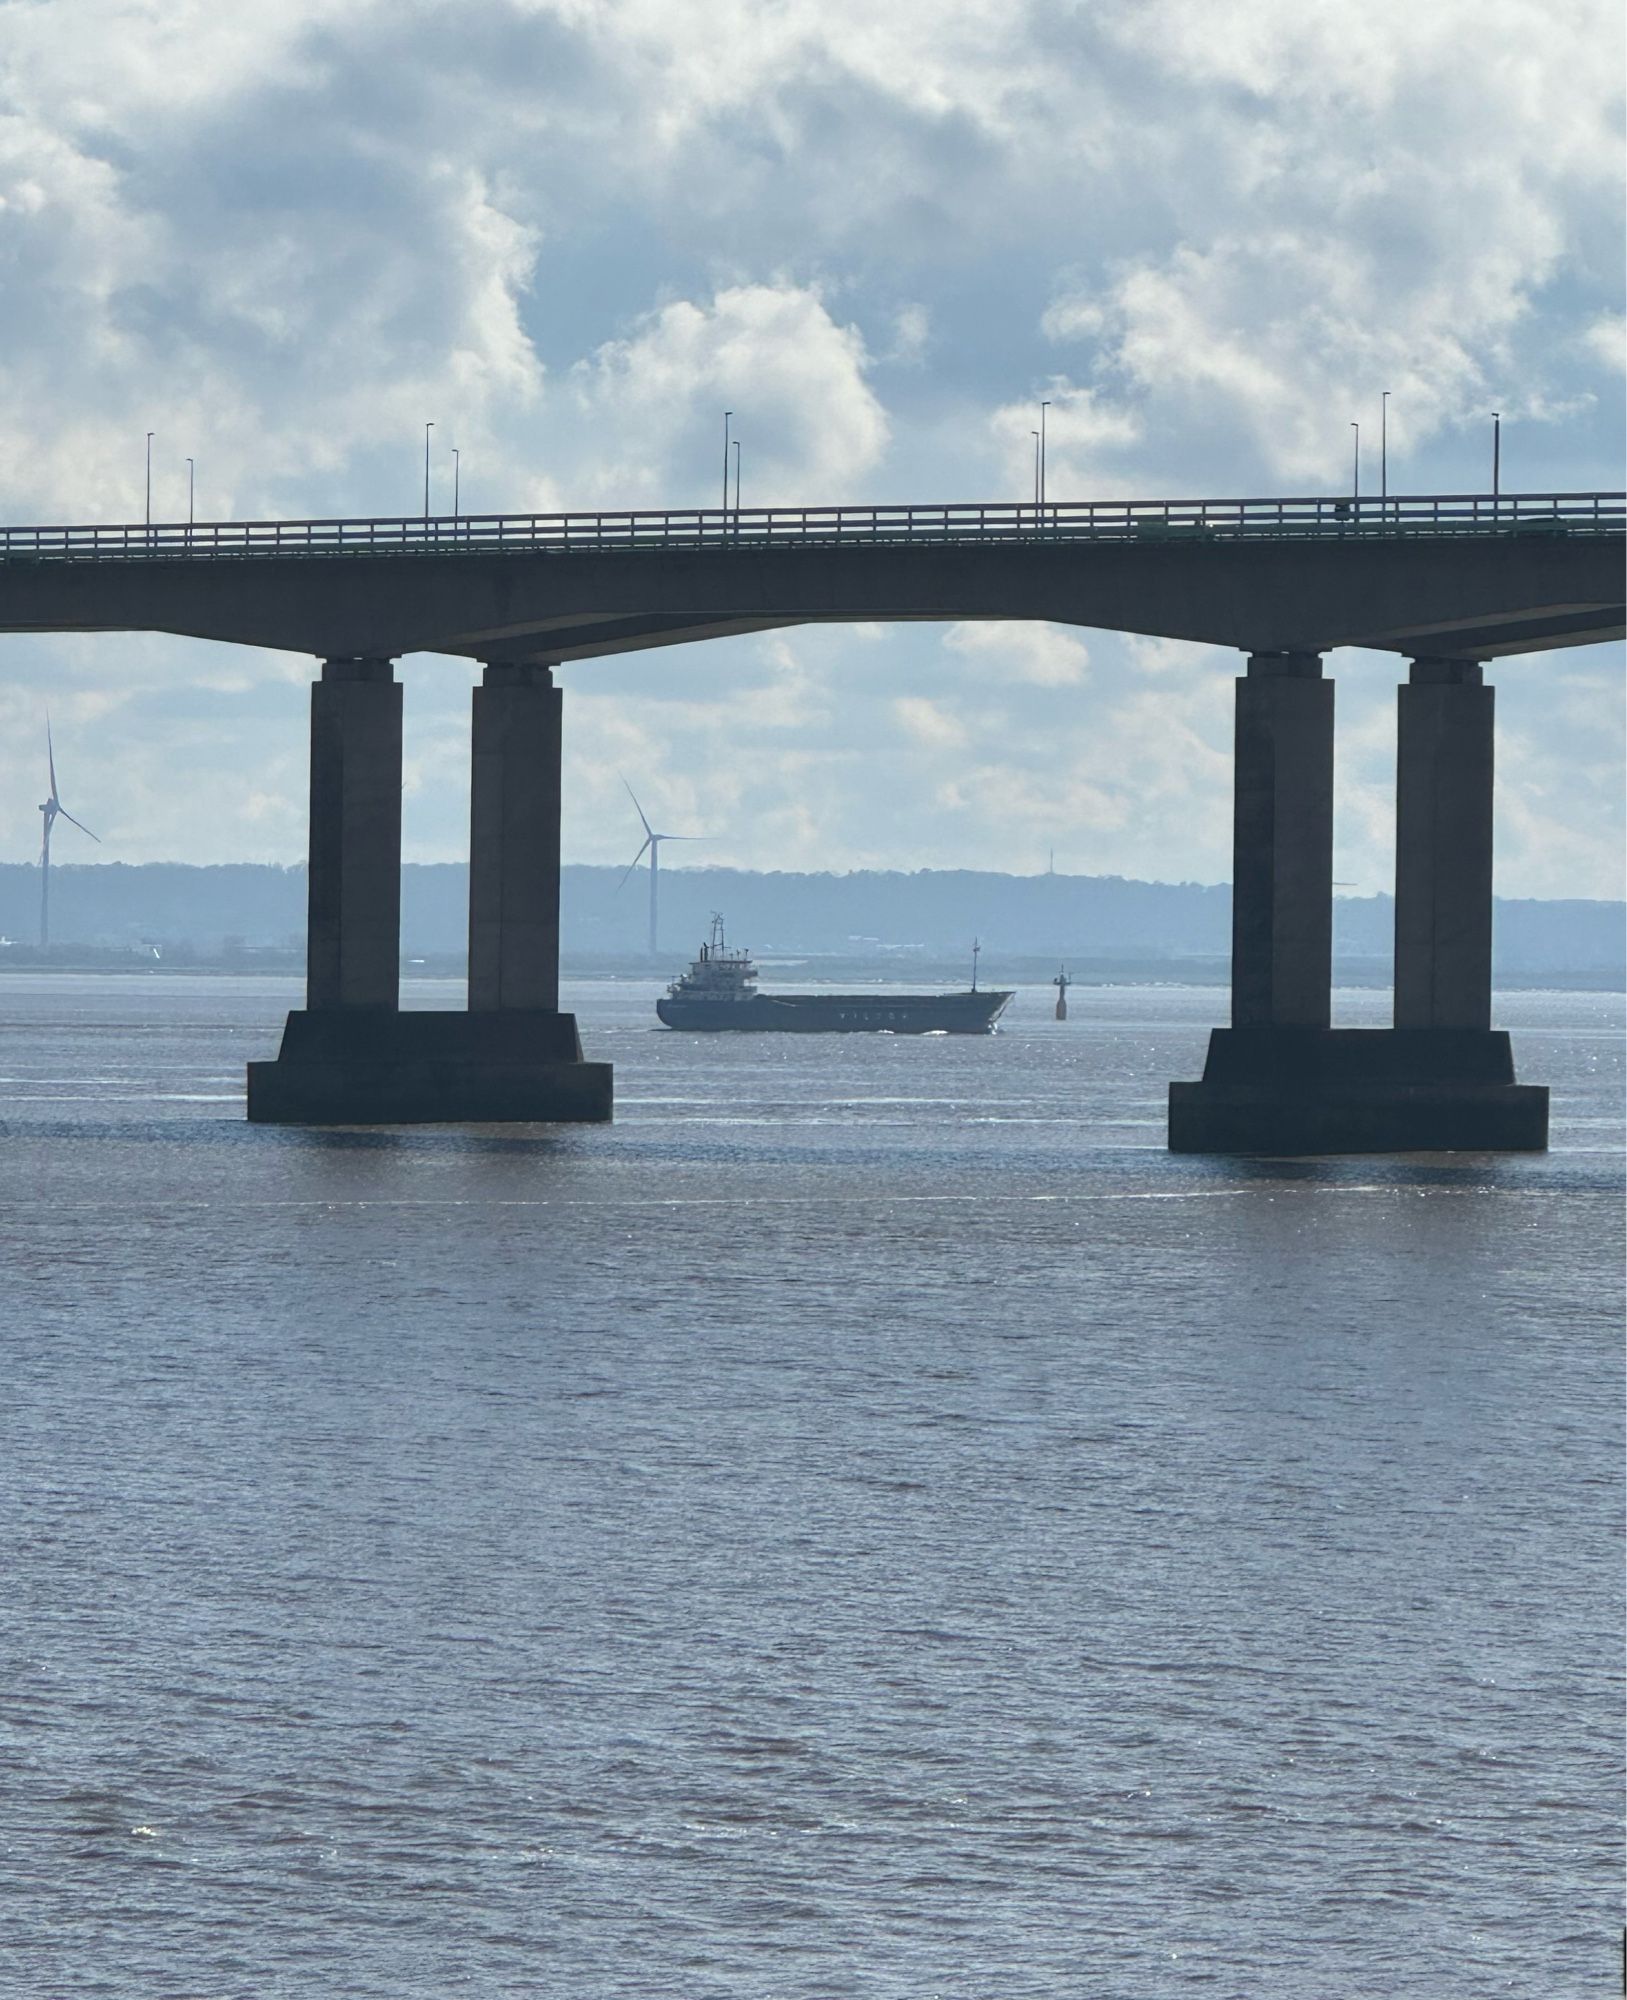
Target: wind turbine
652, 841
53, 809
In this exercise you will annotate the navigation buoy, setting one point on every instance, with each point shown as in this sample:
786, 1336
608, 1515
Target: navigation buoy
1062, 982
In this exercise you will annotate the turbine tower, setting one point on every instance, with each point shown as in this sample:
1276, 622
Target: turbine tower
53, 809
652, 841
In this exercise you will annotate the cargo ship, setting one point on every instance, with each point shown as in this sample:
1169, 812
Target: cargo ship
719, 991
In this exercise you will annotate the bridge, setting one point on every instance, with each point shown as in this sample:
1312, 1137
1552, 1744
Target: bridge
1445, 582
1397, 574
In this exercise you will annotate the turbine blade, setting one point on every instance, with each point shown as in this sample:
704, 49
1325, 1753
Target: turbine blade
50, 755
637, 858
637, 808
68, 816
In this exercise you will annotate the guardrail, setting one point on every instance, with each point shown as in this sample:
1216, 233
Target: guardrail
1320, 518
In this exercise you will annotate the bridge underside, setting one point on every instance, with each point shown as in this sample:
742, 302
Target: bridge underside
1475, 598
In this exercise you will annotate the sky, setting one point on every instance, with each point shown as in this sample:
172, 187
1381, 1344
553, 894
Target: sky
571, 233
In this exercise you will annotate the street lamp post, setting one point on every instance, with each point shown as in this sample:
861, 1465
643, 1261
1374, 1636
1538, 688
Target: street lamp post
1042, 464
737, 485
727, 414
1038, 461
1356, 471
149, 510
456, 460
427, 429
1496, 453
1384, 445
190, 480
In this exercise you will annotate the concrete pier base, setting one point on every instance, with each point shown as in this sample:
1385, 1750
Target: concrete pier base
1358, 1090
359, 1066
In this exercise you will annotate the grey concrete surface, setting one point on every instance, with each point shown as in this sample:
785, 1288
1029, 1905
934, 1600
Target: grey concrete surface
514, 840
1443, 847
383, 1067
350, 1057
1357, 1090
354, 943
1282, 865
1477, 596
1281, 1079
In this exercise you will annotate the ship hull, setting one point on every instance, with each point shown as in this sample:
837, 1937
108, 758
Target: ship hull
837, 1013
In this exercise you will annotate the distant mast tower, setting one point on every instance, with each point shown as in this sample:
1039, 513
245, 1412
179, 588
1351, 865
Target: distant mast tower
1062, 982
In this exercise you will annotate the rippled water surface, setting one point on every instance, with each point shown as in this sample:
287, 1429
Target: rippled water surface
869, 1523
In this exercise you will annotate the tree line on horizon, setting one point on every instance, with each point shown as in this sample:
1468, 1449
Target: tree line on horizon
877, 912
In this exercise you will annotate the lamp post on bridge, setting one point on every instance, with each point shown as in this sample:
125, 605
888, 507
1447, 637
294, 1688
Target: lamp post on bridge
1042, 465
190, 487
737, 486
148, 515
456, 460
1496, 452
1355, 476
1384, 446
727, 415
427, 429
1038, 475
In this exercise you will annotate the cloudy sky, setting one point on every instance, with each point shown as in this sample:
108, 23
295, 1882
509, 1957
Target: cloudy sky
572, 232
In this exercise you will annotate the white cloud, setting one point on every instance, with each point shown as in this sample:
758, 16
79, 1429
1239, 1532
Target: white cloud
1348, 227
1034, 655
806, 420
912, 329
929, 723
573, 232
1606, 340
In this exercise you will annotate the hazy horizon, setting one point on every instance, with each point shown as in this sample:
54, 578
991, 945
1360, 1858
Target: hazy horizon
603, 912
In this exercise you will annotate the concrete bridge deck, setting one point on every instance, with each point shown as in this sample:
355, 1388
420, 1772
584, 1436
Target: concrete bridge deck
1470, 575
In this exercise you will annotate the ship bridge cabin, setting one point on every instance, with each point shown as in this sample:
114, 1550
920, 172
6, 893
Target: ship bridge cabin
717, 973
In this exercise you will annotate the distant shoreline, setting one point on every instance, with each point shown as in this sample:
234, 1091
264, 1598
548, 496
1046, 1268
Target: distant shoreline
1354, 974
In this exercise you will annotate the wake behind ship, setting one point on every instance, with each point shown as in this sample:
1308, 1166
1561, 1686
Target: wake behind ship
719, 991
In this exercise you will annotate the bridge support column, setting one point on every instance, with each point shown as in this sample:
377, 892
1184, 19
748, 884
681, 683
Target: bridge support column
350, 1056
514, 806
1443, 906
1281, 1079
1282, 844
353, 938
1443, 788
521, 1059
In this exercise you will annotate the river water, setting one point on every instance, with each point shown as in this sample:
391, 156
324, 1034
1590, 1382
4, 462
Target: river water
868, 1523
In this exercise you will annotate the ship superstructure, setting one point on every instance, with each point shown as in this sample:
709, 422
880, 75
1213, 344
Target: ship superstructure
717, 973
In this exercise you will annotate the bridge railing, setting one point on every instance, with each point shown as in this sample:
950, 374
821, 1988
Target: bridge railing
1318, 518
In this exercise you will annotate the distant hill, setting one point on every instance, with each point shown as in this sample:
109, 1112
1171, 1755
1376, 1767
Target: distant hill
933, 913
